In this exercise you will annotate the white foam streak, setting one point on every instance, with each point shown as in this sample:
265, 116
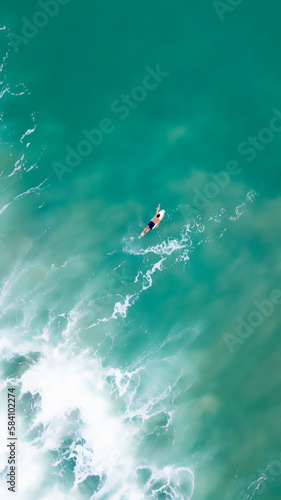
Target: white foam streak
28, 132
35, 190
163, 248
19, 163
121, 309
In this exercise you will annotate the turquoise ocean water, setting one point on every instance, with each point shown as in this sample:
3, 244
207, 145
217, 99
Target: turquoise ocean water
144, 368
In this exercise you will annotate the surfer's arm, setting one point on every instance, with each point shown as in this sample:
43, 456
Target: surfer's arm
157, 209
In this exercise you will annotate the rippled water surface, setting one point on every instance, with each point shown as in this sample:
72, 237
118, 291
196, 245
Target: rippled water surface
145, 368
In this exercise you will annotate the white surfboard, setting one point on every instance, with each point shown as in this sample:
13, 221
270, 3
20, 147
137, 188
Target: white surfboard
161, 213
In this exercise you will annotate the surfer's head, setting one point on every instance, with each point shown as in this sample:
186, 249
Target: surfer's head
158, 215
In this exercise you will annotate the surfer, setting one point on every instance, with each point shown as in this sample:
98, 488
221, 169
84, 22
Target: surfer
154, 222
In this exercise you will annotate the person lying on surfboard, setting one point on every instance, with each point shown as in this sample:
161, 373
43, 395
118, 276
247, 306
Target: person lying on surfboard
154, 222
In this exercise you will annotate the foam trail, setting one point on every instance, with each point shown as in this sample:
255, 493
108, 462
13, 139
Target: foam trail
165, 250
130, 299
19, 196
